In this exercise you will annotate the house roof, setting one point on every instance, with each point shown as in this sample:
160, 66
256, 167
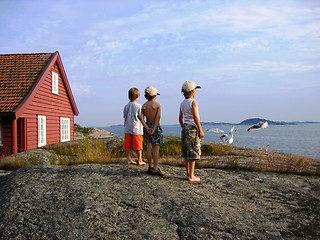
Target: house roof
20, 74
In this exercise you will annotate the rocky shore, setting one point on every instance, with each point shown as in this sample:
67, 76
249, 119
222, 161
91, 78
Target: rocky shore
120, 201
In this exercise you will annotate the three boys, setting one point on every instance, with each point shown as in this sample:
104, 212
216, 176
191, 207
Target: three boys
189, 120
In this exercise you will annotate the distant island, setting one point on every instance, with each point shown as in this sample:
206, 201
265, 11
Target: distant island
249, 121
252, 121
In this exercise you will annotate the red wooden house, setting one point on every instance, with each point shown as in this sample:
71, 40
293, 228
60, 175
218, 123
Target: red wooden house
36, 103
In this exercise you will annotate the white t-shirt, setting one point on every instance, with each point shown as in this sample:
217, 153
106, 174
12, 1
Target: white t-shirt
132, 123
186, 109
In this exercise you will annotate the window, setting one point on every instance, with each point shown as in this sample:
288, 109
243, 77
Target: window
42, 135
55, 83
1, 132
64, 129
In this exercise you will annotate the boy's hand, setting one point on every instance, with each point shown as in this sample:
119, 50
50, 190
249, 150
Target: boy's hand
150, 131
201, 134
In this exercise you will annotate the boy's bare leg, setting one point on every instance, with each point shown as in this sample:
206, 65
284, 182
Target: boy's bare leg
156, 148
186, 161
130, 161
191, 167
140, 161
149, 155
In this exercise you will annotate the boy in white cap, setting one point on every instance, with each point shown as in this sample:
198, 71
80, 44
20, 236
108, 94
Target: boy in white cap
153, 134
191, 129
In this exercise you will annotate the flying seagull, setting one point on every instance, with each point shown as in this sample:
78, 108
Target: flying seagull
227, 139
258, 126
215, 130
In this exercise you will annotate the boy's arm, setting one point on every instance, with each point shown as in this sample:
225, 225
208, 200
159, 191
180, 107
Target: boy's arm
157, 119
141, 117
196, 118
124, 112
181, 118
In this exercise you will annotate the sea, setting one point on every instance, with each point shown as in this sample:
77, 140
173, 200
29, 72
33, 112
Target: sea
301, 139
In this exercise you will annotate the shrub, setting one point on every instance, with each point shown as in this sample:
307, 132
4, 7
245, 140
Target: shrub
171, 147
84, 130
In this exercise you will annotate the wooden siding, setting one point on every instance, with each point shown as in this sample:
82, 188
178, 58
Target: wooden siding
50, 105
6, 148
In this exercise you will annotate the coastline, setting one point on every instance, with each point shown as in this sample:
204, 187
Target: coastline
298, 139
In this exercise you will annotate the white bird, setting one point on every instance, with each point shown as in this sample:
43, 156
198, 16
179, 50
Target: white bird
227, 139
267, 148
258, 126
215, 130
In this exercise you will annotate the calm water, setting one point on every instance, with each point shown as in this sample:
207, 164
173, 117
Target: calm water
301, 139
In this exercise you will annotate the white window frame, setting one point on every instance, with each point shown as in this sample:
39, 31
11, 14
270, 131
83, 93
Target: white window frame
42, 130
55, 83
1, 132
65, 129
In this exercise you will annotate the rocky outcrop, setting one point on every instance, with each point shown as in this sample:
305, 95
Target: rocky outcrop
120, 201
94, 133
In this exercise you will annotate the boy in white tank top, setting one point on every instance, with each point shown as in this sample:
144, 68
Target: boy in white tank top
191, 129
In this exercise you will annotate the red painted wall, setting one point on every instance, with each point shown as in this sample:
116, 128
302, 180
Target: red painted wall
50, 105
6, 148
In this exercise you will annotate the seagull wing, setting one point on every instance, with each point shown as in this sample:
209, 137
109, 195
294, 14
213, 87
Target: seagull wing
231, 131
265, 124
254, 127
259, 124
224, 138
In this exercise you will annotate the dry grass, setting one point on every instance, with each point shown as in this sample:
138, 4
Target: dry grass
15, 162
91, 150
235, 158
87, 150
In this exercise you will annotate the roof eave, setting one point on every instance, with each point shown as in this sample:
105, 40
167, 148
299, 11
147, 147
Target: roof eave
54, 58
21, 105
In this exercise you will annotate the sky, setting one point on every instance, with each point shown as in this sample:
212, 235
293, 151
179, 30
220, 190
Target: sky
251, 58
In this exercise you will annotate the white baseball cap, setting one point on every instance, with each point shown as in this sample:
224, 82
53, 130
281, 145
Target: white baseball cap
151, 90
188, 86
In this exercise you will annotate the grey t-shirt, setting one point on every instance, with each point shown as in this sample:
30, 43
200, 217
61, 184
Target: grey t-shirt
131, 115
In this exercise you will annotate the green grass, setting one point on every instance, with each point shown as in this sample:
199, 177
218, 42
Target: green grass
91, 150
84, 130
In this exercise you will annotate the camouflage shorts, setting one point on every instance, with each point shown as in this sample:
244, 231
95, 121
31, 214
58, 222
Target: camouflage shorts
191, 146
156, 138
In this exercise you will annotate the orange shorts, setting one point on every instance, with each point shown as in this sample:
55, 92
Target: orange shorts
134, 142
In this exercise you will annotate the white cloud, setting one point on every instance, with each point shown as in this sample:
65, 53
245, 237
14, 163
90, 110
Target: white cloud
81, 90
261, 66
283, 66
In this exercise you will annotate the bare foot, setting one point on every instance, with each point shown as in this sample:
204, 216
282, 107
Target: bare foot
194, 179
141, 162
132, 162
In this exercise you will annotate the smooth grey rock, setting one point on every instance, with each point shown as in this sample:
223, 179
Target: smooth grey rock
120, 201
